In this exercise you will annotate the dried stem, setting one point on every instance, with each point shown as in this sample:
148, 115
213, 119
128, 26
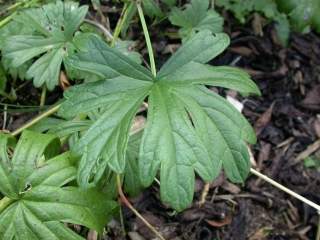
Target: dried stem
129, 205
285, 189
36, 119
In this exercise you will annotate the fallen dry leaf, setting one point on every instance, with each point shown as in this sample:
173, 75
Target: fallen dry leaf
263, 120
306, 153
220, 223
243, 51
316, 126
312, 100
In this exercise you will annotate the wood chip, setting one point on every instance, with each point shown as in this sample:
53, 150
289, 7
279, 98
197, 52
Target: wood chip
220, 223
306, 153
263, 120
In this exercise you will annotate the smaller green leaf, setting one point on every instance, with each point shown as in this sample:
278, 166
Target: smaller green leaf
301, 16
53, 28
125, 48
151, 8
37, 210
69, 204
283, 29
170, 3
196, 17
21, 48
55, 172
312, 162
46, 67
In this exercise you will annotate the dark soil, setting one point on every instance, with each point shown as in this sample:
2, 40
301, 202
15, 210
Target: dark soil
287, 120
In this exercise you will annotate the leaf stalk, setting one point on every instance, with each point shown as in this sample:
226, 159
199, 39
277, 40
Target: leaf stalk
129, 205
122, 19
147, 37
43, 96
36, 119
285, 189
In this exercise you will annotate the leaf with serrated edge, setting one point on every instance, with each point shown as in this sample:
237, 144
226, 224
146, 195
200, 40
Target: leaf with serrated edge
201, 48
189, 128
38, 209
53, 25
227, 77
196, 17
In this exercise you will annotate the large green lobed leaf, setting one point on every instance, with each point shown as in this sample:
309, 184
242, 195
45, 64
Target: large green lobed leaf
49, 36
33, 180
189, 128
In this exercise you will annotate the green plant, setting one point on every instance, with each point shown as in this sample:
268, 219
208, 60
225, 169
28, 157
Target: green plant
36, 199
190, 129
196, 17
302, 14
312, 162
152, 9
242, 8
298, 15
50, 31
184, 118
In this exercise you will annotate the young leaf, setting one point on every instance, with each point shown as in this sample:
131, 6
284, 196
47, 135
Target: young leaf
33, 180
151, 8
53, 28
196, 17
189, 128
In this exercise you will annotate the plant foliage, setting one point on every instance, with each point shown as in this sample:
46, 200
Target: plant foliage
33, 180
49, 33
299, 15
242, 8
196, 17
189, 129
302, 14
